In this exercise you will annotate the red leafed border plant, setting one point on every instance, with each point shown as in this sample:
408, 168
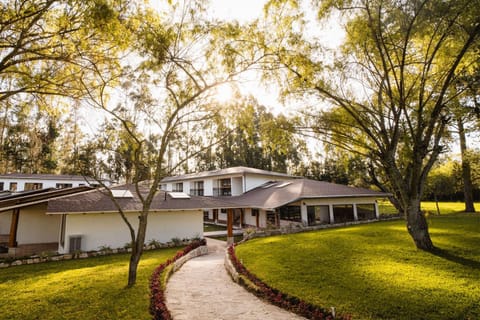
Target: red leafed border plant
158, 308
274, 296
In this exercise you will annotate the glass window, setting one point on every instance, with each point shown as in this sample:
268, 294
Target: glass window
366, 211
291, 213
13, 186
33, 186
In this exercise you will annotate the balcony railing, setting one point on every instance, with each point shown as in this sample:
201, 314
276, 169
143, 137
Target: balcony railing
197, 192
217, 192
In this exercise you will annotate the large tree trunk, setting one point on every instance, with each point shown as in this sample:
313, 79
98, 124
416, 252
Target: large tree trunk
417, 226
466, 169
137, 249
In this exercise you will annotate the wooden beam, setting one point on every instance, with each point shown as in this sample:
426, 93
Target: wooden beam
12, 240
230, 226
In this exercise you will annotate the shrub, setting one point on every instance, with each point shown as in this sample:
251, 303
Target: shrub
158, 308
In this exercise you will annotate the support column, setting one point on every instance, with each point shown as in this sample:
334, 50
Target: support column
377, 213
230, 239
330, 212
355, 213
12, 240
304, 214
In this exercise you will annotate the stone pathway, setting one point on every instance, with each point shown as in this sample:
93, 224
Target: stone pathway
203, 290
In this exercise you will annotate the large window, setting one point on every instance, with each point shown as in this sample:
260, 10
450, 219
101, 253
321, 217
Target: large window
63, 185
343, 213
178, 187
33, 186
366, 211
224, 187
197, 189
291, 213
13, 186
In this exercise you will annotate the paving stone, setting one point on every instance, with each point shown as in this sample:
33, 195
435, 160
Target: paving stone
203, 290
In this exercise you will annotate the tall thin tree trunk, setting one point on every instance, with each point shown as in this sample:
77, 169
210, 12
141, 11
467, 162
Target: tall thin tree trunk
137, 248
466, 168
417, 226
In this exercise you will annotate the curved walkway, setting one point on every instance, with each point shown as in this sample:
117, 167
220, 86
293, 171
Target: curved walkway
203, 290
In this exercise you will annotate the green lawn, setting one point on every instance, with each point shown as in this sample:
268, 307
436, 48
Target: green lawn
386, 208
91, 288
374, 271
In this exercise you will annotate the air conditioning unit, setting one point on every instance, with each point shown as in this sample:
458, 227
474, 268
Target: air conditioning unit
75, 243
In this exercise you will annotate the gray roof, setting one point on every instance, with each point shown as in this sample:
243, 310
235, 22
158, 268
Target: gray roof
226, 172
32, 197
98, 200
44, 177
279, 193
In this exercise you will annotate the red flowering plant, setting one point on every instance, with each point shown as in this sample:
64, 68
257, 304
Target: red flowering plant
274, 296
158, 308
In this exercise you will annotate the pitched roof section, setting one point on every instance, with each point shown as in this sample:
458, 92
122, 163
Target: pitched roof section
28, 198
98, 200
276, 194
226, 172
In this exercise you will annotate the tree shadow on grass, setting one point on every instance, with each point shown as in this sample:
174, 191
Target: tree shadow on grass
450, 256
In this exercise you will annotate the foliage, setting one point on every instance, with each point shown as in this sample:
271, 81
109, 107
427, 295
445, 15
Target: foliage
392, 86
368, 270
92, 288
251, 136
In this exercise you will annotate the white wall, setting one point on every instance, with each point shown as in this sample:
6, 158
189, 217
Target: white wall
110, 230
5, 222
34, 226
45, 183
254, 180
237, 186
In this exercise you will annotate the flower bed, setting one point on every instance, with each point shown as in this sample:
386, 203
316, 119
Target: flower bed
274, 296
158, 308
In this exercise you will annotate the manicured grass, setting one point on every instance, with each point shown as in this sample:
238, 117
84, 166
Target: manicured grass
374, 271
91, 288
386, 208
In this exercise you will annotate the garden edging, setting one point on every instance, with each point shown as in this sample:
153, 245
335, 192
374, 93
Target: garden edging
158, 308
251, 283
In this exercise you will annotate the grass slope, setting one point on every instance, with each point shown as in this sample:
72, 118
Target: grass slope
91, 288
374, 271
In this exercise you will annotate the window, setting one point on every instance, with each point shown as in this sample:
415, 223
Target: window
13, 186
343, 213
63, 185
197, 189
366, 211
271, 218
254, 212
224, 187
33, 186
1, 186
178, 187
291, 213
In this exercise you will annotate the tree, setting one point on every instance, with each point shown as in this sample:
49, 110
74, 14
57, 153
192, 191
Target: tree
251, 136
389, 89
163, 96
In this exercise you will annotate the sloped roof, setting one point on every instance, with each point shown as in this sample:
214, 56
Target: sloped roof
28, 198
279, 193
98, 200
225, 172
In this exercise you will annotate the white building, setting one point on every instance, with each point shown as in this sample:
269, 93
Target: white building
224, 182
16, 182
271, 199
